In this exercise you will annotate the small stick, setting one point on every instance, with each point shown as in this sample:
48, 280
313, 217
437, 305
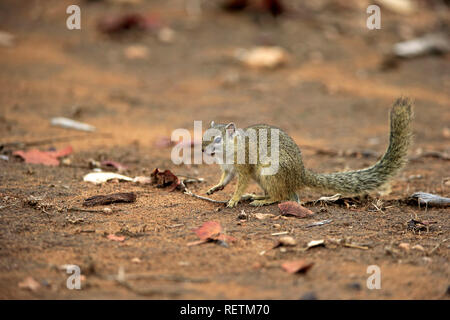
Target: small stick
280, 233
190, 193
351, 245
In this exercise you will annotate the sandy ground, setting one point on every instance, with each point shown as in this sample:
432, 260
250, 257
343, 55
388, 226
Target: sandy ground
332, 94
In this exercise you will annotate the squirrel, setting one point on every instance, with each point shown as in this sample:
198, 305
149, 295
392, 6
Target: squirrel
292, 175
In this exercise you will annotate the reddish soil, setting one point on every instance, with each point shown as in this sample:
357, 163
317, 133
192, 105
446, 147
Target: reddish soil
332, 94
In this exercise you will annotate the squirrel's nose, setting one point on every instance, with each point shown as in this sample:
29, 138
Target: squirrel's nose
203, 149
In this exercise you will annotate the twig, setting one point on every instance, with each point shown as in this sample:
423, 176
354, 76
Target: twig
351, 245
89, 210
279, 233
190, 193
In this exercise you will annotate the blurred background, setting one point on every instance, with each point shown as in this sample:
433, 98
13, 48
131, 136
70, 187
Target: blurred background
139, 69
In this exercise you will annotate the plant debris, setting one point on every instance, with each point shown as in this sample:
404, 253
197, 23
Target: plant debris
48, 158
71, 124
102, 177
297, 266
416, 225
126, 197
429, 199
211, 231
262, 57
113, 237
319, 223
315, 243
292, 208
164, 179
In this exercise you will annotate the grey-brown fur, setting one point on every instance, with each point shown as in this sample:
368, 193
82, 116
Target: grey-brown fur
293, 176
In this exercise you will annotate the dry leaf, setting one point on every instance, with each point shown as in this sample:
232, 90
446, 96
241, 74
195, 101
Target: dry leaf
292, 208
48, 158
211, 230
262, 216
164, 179
30, 284
297, 266
113, 237
101, 177
110, 198
315, 243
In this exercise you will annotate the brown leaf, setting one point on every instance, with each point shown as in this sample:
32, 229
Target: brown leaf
48, 158
164, 179
292, 208
113, 237
30, 284
211, 231
297, 266
110, 198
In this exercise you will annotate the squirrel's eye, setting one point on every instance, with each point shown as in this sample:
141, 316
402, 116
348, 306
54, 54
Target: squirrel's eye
218, 139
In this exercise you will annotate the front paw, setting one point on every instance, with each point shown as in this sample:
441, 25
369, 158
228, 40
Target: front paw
232, 203
214, 189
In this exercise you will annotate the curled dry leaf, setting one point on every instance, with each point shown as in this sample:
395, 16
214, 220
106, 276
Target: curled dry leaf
110, 198
297, 266
48, 158
164, 179
315, 243
292, 208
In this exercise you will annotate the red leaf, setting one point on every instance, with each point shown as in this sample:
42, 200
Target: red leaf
209, 230
48, 158
297, 266
292, 208
113, 237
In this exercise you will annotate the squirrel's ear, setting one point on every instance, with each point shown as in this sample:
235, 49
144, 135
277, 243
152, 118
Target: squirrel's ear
212, 124
230, 128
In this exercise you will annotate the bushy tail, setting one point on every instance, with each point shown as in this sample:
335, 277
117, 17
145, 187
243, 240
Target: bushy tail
369, 179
